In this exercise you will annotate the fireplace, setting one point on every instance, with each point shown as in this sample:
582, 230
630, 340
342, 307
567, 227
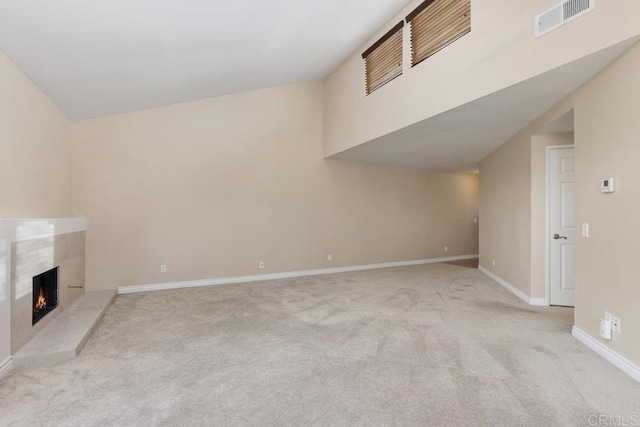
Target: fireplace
45, 294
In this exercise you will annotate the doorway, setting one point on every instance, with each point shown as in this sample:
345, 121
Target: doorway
561, 229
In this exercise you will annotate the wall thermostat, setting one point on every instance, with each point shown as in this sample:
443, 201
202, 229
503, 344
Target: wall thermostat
608, 185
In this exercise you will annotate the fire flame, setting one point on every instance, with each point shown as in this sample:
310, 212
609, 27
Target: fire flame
42, 301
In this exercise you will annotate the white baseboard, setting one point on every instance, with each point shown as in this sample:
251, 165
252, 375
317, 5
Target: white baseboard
286, 275
540, 302
517, 292
5, 366
611, 356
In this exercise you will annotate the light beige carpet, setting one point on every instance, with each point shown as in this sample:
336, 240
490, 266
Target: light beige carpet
424, 345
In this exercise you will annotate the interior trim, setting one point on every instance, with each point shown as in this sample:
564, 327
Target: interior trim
517, 292
611, 356
285, 275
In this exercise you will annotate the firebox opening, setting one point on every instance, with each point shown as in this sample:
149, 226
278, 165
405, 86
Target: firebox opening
45, 294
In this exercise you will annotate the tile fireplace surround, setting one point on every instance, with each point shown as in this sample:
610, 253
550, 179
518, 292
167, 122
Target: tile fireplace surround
29, 247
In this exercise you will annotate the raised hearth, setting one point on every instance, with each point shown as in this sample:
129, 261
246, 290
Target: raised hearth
41, 275
65, 336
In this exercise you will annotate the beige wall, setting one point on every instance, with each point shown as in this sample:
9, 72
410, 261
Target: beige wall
35, 150
607, 132
606, 142
505, 205
509, 201
500, 51
513, 200
35, 165
211, 188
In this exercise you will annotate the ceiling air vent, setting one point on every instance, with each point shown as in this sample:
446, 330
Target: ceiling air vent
562, 13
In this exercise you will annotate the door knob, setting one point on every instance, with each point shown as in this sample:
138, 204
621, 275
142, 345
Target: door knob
557, 236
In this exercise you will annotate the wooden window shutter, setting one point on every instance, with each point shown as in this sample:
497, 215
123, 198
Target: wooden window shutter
383, 60
436, 24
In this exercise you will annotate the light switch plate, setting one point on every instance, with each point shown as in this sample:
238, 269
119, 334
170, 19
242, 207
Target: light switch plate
585, 229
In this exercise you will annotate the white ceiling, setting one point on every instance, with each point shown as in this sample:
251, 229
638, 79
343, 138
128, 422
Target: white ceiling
459, 139
100, 57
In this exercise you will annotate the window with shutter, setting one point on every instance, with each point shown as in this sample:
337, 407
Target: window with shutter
383, 60
436, 24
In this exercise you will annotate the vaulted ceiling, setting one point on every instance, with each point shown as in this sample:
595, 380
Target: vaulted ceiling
95, 58
458, 139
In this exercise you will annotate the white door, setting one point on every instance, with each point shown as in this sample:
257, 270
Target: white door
561, 226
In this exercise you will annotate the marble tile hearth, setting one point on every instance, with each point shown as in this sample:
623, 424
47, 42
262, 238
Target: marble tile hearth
66, 335
28, 248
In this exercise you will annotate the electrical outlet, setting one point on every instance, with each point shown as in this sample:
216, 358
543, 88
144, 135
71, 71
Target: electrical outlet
493, 262
163, 268
616, 325
329, 258
261, 264
475, 220
446, 248
608, 316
